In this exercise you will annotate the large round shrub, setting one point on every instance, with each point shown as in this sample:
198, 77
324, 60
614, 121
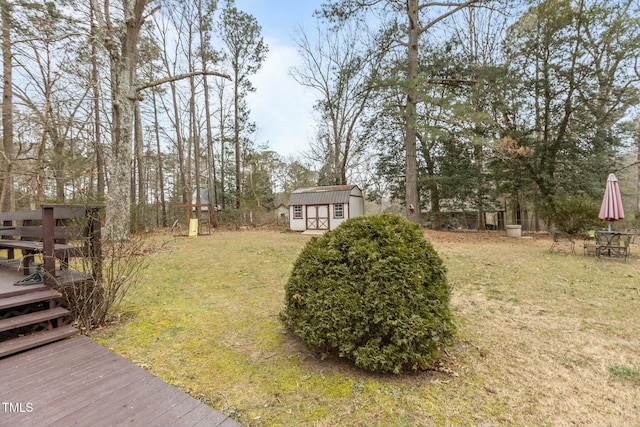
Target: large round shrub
572, 214
373, 291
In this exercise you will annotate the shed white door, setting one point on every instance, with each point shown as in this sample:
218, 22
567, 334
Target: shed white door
318, 217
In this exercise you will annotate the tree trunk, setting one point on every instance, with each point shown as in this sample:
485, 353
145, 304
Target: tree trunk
411, 167
95, 81
182, 185
163, 204
638, 176
59, 162
124, 98
195, 137
222, 147
6, 157
236, 136
211, 165
211, 184
40, 173
434, 190
119, 200
139, 157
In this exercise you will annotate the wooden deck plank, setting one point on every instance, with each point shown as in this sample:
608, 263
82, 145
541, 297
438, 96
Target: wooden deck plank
70, 359
200, 417
40, 295
173, 412
73, 397
191, 418
35, 339
144, 407
31, 318
73, 370
79, 382
45, 383
119, 399
228, 422
80, 375
14, 367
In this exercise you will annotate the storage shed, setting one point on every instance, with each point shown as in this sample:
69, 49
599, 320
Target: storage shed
324, 208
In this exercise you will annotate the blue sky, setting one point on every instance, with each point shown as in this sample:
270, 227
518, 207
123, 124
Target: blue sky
278, 18
281, 108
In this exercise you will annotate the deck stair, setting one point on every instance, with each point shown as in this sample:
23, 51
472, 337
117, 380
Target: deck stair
32, 319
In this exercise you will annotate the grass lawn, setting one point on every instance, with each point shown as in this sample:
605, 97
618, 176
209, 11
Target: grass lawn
544, 338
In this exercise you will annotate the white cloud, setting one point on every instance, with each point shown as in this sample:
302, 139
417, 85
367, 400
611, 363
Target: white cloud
281, 108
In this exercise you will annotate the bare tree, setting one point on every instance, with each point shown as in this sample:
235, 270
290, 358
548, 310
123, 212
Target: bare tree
224, 111
207, 55
95, 83
165, 29
160, 173
342, 67
122, 45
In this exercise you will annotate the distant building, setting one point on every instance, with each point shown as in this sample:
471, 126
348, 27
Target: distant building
282, 213
204, 199
324, 208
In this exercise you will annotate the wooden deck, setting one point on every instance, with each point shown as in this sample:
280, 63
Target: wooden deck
11, 272
78, 382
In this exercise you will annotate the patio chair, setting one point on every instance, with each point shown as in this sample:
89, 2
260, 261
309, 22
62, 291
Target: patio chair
561, 237
589, 244
635, 239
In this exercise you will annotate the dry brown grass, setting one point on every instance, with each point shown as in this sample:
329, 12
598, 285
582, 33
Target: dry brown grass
544, 339
542, 331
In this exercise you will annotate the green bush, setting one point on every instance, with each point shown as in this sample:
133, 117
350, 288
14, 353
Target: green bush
573, 214
373, 291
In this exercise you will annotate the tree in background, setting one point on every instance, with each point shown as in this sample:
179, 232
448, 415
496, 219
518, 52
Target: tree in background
246, 51
296, 174
55, 102
458, 103
534, 119
261, 168
7, 154
571, 62
416, 22
122, 46
341, 66
208, 56
47, 150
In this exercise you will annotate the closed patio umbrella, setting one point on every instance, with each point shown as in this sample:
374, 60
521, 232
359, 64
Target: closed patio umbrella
611, 208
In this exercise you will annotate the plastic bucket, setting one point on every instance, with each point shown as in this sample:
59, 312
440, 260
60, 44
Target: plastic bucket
514, 230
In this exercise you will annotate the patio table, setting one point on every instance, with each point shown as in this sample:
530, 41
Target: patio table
613, 244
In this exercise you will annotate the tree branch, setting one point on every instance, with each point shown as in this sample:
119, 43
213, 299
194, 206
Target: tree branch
164, 80
456, 8
154, 10
452, 82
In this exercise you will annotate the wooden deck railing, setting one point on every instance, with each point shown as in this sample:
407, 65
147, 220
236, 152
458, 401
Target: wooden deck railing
58, 232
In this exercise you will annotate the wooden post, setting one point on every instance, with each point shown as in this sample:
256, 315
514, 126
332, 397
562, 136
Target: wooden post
49, 256
95, 241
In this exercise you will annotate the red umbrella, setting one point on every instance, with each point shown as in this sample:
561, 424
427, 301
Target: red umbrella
611, 208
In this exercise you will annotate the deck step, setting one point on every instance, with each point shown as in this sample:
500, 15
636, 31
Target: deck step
29, 298
36, 339
32, 318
